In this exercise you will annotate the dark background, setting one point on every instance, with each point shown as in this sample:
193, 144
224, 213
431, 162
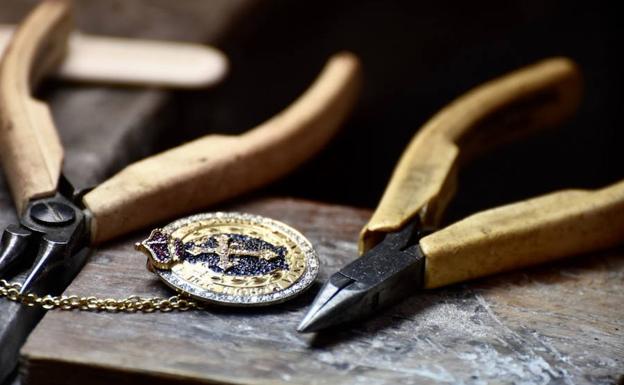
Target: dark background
417, 57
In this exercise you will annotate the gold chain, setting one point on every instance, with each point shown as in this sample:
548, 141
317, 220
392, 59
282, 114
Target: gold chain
132, 304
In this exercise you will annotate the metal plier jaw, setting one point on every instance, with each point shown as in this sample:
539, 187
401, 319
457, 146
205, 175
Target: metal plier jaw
50, 235
382, 276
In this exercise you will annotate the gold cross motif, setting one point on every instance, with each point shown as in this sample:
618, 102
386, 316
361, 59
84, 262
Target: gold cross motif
225, 250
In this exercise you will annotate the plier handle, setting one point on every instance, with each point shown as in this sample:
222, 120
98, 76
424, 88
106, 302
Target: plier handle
58, 222
516, 235
402, 252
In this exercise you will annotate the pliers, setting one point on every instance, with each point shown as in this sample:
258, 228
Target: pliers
401, 251
58, 223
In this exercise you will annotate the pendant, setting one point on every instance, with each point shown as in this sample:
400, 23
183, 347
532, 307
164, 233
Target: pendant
232, 258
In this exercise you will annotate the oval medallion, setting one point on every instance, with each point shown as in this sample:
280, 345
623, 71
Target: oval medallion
232, 258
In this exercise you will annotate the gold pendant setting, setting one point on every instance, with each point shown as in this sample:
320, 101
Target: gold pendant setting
232, 258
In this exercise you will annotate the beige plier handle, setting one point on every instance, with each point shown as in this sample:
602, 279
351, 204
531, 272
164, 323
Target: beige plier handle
216, 167
507, 237
178, 181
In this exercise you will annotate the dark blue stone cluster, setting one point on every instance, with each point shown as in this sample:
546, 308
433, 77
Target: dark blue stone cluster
157, 244
243, 265
178, 247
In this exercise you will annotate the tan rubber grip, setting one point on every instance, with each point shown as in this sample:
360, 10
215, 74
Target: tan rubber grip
525, 233
30, 149
530, 99
217, 167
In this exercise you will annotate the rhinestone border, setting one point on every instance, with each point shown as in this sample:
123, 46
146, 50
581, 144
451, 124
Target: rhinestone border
303, 283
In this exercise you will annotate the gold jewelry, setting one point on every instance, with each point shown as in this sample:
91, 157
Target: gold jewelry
232, 258
225, 258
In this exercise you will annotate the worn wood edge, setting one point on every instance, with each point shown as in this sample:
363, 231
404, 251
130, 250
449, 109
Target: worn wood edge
217, 167
30, 148
536, 97
105, 374
252, 199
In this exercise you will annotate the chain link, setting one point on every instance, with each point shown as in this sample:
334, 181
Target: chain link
132, 304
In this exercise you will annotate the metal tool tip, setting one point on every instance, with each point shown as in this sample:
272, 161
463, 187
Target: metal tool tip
319, 317
31, 281
313, 319
305, 324
331, 305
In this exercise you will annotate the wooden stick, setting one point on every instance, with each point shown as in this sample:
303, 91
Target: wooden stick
30, 149
137, 62
217, 167
533, 98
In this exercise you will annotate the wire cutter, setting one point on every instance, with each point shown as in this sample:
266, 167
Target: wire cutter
58, 223
401, 253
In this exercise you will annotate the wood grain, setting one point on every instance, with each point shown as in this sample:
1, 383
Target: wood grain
560, 323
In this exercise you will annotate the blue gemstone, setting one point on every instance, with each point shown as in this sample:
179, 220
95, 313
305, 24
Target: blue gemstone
243, 265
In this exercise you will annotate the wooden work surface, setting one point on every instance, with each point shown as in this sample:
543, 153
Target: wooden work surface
561, 323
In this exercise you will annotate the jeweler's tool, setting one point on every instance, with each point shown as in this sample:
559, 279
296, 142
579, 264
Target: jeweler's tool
57, 223
111, 60
401, 255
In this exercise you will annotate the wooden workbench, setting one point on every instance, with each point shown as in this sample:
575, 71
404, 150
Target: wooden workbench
561, 323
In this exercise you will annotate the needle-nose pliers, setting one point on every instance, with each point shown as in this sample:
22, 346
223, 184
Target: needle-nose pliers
401, 253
